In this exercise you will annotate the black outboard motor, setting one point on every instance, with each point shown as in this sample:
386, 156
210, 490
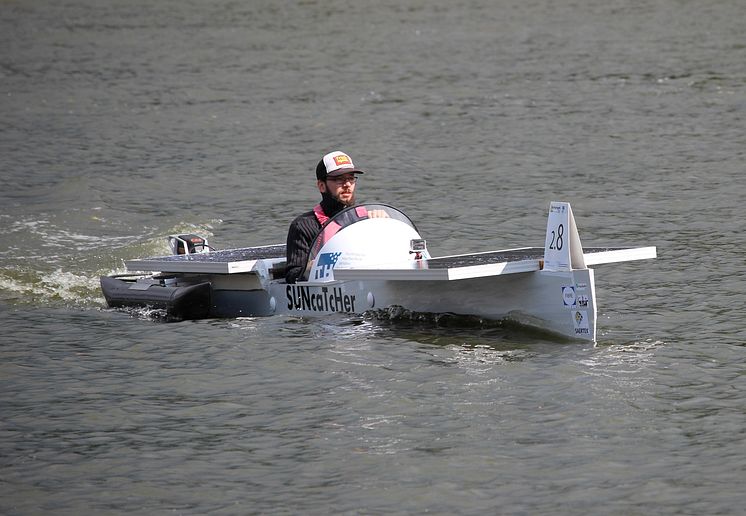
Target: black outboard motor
188, 244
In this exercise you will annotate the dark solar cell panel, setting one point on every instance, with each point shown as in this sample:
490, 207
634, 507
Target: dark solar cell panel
591, 250
239, 260
278, 251
469, 260
514, 255
229, 255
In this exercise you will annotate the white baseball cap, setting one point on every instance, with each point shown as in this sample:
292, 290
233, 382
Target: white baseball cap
335, 164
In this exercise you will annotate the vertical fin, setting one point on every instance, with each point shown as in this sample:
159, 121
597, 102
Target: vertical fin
562, 248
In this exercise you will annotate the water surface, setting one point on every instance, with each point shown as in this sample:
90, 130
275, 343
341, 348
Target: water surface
124, 122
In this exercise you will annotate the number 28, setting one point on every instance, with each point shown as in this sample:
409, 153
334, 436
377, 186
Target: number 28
557, 240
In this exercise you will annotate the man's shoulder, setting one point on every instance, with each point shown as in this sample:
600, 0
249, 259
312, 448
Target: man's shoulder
305, 223
303, 217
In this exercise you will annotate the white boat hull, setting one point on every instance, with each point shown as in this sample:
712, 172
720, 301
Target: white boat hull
550, 288
559, 302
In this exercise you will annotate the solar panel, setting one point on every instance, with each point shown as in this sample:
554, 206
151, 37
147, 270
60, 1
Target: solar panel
492, 263
510, 261
218, 262
595, 254
474, 259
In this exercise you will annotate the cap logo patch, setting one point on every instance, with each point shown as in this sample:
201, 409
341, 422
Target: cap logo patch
342, 160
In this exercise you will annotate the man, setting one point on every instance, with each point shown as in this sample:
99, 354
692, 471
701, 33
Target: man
336, 177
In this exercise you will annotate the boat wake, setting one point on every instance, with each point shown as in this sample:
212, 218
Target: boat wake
40, 252
159, 315
58, 287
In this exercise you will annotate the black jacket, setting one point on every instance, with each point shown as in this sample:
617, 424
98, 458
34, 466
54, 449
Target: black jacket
303, 231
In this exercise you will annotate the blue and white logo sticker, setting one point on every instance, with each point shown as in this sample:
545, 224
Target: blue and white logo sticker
325, 264
568, 296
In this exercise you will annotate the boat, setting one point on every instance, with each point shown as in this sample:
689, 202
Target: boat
360, 263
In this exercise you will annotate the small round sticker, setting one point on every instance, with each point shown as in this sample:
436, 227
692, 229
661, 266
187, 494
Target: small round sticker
568, 296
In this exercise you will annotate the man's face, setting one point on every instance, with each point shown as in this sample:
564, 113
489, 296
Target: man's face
342, 188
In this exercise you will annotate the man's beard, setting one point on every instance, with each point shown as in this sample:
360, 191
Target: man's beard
332, 205
347, 204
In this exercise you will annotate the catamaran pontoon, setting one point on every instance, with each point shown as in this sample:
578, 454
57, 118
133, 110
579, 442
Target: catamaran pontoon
359, 263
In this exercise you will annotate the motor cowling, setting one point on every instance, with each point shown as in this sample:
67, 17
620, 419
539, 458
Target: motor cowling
188, 244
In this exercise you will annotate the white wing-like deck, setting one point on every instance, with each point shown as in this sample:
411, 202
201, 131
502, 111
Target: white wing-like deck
229, 261
492, 263
474, 265
464, 266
